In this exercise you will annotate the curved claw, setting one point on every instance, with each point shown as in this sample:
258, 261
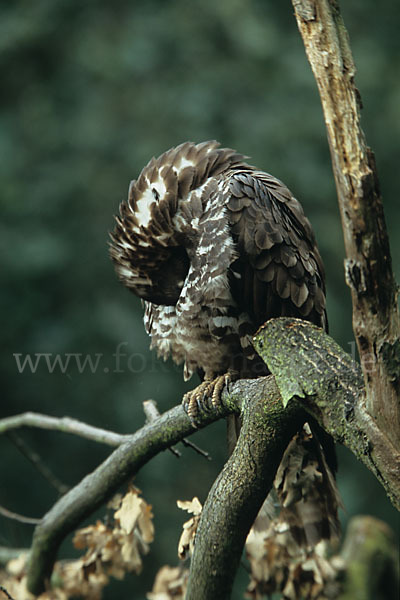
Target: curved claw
205, 398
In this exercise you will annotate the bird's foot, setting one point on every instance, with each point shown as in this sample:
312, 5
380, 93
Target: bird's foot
206, 397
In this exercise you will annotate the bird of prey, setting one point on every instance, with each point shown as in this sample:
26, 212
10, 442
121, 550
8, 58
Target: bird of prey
215, 247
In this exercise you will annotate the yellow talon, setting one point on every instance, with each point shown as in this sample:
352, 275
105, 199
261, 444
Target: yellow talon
199, 399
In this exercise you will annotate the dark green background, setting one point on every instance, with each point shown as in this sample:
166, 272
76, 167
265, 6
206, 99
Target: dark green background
90, 91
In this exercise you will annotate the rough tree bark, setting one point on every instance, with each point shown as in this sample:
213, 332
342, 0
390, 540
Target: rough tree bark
319, 378
368, 263
312, 371
240, 490
311, 367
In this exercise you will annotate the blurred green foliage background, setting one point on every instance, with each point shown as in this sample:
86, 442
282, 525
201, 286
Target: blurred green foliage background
90, 91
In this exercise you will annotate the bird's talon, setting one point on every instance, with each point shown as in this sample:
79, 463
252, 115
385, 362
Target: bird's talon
206, 398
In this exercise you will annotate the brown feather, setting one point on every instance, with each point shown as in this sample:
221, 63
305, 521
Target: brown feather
215, 248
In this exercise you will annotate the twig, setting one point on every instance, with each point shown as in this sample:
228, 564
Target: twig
38, 463
16, 517
65, 425
196, 448
3, 589
151, 411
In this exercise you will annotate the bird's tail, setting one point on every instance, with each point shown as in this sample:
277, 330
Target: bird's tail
298, 524
306, 490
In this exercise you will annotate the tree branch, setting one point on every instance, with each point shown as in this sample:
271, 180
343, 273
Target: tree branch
63, 424
307, 365
368, 263
239, 491
311, 371
17, 517
310, 366
97, 487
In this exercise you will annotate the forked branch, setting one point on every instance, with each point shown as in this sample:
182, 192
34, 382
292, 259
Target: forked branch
330, 387
313, 372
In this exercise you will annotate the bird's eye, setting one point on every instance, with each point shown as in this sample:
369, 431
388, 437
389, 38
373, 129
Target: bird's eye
155, 194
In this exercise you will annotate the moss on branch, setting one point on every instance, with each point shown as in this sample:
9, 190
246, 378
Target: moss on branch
311, 366
313, 374
239, 491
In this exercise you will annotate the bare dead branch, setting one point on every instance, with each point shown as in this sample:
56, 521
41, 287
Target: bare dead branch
16, 517
150, 410
196, 449
368, 264
63, 424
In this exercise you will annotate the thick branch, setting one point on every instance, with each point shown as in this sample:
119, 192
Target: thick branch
242, 486
266, 431
311, 366
307, 364
97, 487
368, 264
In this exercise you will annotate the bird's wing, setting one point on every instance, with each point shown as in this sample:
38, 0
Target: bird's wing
279, 271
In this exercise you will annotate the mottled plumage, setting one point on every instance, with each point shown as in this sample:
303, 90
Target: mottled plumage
215, 248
